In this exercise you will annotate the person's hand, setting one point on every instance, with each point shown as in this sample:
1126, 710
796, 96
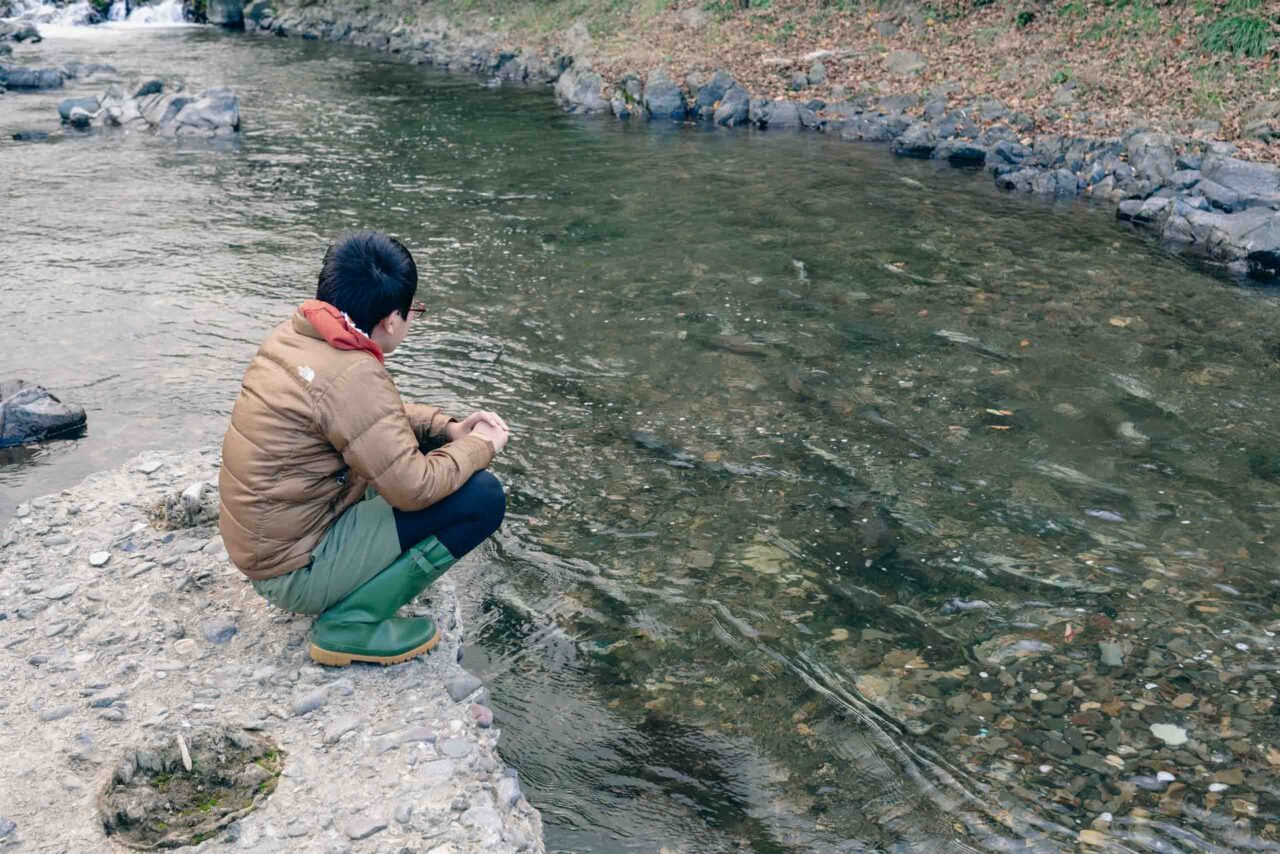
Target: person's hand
457, 429
496, 435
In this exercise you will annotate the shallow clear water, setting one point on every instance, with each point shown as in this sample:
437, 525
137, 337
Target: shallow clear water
830, 471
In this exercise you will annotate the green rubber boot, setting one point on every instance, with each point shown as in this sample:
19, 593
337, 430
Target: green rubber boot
363, 626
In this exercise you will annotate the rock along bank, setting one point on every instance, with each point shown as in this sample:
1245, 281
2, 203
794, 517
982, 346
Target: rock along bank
123, 625
1190, 192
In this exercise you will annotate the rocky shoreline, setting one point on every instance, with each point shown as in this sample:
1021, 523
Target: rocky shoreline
1188, 191
123, 623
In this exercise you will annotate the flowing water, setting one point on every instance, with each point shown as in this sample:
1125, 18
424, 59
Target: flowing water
830, 472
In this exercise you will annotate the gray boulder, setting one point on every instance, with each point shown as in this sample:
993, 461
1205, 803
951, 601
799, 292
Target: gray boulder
917, 141
663, 98
90, 105
15, 77
19, 31
1152, 156
961, 153
580, 92
781, 114
711, 93
817, 73
226, 13
214, 113
1060, 183
151, 87
1255, 184
29, 413
734, 107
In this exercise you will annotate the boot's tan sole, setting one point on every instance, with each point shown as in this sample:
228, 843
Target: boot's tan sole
342, 659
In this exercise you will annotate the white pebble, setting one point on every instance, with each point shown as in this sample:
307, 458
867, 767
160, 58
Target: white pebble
99, 558
1165, 777
1218, 787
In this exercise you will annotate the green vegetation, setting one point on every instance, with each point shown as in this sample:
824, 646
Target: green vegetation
1243, 28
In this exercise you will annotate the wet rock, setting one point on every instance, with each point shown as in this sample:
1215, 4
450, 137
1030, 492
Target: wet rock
905, 63
19, 31
212, 113
1111, 654
961, 153
29, 413
90, 105
734, 108
30, 136
917, 141
712, 93
16, 78
462, 686
1170, 734
225, 13
580, 92
662, 97
218, 630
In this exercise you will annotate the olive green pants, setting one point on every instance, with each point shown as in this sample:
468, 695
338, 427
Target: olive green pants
359, 545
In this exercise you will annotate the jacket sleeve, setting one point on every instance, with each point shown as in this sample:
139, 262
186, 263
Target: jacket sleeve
362, 416
429, 423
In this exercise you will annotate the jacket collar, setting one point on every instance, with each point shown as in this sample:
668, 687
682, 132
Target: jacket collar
317, 319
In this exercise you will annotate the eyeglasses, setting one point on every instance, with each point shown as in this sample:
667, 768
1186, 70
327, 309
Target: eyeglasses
418, 309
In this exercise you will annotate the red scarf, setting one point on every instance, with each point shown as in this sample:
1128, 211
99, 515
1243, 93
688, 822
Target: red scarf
337, 328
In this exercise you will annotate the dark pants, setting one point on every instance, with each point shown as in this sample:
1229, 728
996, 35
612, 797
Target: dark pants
462, 521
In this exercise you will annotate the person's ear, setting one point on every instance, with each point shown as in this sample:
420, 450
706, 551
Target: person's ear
391, 323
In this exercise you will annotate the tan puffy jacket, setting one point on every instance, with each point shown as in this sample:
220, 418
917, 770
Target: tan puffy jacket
314, 426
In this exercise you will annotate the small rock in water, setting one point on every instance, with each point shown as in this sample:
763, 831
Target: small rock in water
462, 686
1105, 515
99, 558
219, 630
956, 605
1218, 787
1112, 654
1170, 734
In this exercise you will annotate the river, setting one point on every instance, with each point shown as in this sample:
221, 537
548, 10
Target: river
854, 505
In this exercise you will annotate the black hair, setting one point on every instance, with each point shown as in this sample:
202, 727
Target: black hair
368, 275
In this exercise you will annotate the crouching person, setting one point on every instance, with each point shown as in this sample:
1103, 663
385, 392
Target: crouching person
338, 499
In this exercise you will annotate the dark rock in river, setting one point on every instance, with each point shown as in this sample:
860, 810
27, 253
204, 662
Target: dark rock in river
31, 78
780, 114
30, 136
917, 141
961, 153
225, 13
19, 31
29, 413
662, 97
151, 87
89, 105
215, 113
